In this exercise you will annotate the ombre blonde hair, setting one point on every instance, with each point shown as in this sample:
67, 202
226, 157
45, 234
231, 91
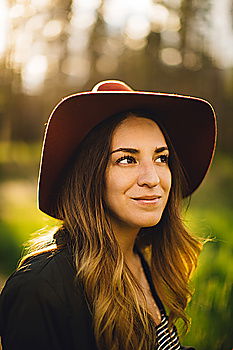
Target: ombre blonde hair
120, 321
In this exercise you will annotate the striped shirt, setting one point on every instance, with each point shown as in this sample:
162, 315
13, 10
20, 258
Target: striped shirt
166, 339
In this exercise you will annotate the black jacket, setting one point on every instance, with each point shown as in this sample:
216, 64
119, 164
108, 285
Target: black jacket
41, 309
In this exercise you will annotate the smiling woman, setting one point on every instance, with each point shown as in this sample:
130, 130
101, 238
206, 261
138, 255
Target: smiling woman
138, 178
115, 167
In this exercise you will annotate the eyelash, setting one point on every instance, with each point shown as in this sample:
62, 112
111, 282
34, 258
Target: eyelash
126, 157
163, 157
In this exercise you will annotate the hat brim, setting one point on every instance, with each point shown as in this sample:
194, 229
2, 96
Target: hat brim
190, 123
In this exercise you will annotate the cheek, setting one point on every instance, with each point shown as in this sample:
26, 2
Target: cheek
117, 183
166, 180
112, 187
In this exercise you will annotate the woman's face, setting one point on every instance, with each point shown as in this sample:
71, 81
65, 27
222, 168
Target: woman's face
138, 178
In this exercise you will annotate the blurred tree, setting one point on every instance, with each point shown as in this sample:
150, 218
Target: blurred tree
59, 46
97, 43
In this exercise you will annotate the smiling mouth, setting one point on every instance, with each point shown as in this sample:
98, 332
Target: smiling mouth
148, 199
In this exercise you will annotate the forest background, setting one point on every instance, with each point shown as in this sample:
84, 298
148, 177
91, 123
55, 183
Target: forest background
51, 48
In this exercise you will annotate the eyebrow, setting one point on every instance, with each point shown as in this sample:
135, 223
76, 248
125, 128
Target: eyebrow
135, 151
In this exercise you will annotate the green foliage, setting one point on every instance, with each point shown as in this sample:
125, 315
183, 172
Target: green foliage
9, 249
210, 215
211, 307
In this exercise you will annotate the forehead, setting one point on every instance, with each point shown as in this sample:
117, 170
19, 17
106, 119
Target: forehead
139, 131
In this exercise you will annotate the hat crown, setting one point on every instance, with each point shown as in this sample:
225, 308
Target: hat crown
111, 85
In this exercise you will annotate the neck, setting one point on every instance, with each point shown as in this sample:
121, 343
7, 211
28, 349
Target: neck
126, 237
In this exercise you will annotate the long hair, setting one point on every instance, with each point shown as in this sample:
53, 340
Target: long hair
111, 290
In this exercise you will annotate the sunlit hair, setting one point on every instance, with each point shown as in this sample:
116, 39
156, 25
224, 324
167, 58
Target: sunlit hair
120, 320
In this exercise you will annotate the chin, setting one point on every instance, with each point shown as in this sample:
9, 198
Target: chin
149, 223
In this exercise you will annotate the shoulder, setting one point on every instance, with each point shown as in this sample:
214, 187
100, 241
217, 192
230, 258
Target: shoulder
40, 301
48, 266
47, 277
45, 264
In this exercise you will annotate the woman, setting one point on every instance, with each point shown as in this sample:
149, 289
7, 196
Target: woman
115, 166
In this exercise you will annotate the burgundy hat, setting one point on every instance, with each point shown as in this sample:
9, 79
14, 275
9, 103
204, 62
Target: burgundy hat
190, 123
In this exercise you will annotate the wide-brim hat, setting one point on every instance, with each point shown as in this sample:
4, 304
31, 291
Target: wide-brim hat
189, 121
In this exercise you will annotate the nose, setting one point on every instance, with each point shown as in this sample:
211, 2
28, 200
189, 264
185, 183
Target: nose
148, 175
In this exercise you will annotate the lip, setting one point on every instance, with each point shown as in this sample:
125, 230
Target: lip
148, 200
156, 196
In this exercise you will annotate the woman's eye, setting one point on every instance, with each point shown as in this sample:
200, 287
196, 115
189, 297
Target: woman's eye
126, 160
162, 159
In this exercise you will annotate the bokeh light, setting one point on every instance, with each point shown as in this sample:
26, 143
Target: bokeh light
52, 29
137, 27
41, 4
33, 74
77, 67
4, 20
173, 22
31, 29
135, 45
16, 11
170, 38
171, 56
87, 4
117, 12
159, 17
221, 33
